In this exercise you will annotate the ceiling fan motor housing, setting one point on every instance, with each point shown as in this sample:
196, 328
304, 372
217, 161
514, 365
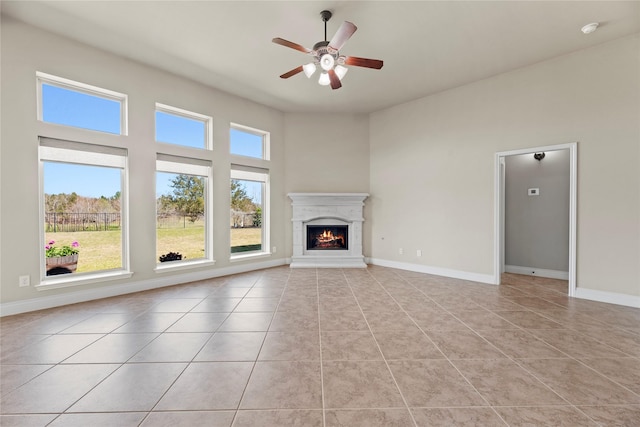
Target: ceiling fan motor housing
322, 48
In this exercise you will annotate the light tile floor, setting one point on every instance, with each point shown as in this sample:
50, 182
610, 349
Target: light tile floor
327, 347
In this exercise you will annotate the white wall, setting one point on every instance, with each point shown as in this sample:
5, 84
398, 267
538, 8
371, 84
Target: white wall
327, 153
433, 159
537, 227
26, 50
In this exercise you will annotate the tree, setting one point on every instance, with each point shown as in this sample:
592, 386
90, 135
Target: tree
188, 195
240, 201
59, 202
257, 217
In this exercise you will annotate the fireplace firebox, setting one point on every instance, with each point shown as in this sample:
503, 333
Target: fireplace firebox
327, 237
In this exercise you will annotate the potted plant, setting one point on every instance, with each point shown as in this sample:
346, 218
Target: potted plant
61, 259
171, 256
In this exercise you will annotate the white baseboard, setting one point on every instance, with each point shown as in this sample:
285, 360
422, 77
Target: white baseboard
540, 272
608, 297
419, 268
41, 303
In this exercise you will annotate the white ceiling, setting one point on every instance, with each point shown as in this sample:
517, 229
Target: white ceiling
427, 46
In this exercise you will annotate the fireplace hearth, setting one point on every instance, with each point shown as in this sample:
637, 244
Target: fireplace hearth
327, 230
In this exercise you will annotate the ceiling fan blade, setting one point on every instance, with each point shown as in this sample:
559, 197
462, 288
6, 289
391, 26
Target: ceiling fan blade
292, 45
334, 80
291, 73
363, 62
343, 34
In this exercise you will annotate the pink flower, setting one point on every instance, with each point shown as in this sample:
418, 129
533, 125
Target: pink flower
47, 247
75, 244
52, 242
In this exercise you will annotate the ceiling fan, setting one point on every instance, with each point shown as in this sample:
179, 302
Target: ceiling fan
326, 54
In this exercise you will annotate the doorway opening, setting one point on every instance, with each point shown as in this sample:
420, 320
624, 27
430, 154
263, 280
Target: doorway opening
500, 208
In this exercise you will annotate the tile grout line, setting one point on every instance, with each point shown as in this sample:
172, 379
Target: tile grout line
404, 400
187, 364
324, 408
514, 360
255, 363
489, 405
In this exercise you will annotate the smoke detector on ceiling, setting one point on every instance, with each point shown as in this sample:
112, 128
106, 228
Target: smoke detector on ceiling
590, 28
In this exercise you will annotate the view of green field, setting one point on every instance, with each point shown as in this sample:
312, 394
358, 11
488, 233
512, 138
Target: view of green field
101, 250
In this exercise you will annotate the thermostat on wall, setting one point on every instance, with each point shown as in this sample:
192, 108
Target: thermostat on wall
534, 191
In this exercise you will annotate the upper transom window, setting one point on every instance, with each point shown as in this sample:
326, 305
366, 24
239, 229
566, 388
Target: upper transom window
182, 127
245, 141
69, 103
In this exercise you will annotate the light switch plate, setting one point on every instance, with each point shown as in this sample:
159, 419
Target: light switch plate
534, 191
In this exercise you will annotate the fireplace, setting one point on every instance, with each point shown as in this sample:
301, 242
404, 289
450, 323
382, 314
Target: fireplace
327, 230
327, 237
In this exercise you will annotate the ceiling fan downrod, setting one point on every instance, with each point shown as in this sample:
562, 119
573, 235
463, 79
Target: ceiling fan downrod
326, 15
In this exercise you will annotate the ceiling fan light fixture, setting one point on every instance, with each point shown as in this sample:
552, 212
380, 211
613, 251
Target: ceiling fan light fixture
341, 71
327, 62
309, 69
324, 79
326, 54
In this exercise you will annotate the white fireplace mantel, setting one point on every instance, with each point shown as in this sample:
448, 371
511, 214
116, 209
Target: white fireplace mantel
326, 209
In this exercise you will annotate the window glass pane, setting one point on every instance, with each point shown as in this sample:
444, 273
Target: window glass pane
82, 214
180, 224
180, 130
246, 144
73, 108
246, 215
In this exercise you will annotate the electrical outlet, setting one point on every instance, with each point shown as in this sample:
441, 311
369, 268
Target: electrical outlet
274, 250
419, 252
23, 281
401, 251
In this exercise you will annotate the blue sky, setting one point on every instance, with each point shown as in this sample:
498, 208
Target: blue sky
71, 108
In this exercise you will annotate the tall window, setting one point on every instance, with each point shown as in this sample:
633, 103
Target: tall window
248, 210
84, 207
181, 127
65, 102
249, 186
183, 214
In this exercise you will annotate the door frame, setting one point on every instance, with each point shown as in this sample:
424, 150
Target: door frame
499, 207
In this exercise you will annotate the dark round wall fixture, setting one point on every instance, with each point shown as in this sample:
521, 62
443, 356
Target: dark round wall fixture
539, 156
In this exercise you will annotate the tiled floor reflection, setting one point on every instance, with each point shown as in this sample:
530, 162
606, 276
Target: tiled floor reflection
326, 348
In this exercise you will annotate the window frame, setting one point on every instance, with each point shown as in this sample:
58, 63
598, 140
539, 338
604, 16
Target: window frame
95, 91
246, 173
266, 141
175, 111
194, 167
80, 153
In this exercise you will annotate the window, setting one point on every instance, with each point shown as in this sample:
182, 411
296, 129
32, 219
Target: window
249, 210
249, 191
248, 142
69, 103
182, 211
181, 127
84, 208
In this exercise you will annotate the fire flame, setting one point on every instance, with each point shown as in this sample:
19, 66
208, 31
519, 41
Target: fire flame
326, 235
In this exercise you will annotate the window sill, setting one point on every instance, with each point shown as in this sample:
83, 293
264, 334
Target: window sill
251, 255
79, 280
166, 267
